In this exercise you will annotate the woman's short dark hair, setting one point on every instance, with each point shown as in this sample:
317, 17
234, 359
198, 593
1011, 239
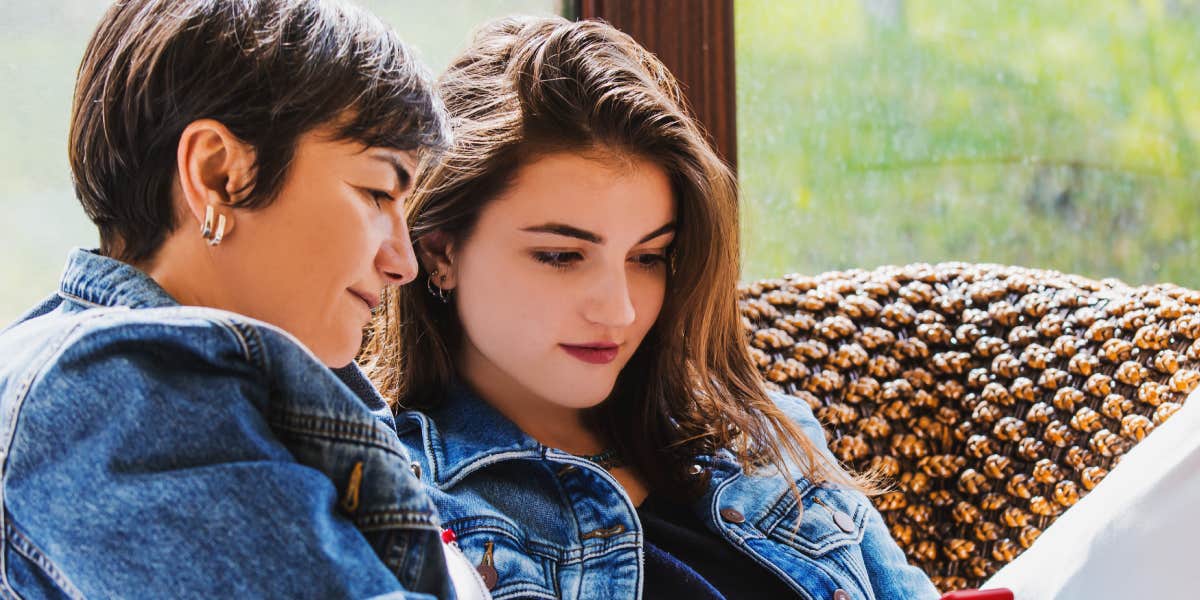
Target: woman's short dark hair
269, 70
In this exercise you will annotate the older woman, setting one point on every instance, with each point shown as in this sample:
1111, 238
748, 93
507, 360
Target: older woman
175, 419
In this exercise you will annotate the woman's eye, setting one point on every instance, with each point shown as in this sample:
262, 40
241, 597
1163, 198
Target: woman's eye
379, 197
557, 259
650, 261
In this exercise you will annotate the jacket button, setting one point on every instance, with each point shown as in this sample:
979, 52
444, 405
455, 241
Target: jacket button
843, 521
416, 470
841, 595
489, 576
732, 516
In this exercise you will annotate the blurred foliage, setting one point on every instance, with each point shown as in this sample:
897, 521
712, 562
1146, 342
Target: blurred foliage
41, 44
1058, 134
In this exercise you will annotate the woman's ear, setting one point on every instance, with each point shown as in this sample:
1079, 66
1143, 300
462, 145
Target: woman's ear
436, 252
215, 169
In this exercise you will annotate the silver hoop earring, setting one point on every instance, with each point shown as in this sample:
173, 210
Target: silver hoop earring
214, 236
436, 290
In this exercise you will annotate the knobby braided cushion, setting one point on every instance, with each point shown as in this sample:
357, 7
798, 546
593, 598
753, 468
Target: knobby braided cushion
993, 397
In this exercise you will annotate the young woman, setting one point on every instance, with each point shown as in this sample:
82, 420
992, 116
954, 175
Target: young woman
171, 420
588, 417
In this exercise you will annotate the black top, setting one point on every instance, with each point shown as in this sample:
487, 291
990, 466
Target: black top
686, 560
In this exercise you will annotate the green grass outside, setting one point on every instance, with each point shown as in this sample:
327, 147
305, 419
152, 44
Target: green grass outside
1051, 134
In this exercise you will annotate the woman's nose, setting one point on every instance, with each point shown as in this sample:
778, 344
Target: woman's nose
396, 260
611, 304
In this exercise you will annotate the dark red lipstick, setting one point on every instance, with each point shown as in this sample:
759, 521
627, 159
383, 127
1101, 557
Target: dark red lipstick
599, 353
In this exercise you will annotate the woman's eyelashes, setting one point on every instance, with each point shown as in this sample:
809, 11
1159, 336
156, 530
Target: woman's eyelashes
559, 259
650, 260
565, 259
378, 197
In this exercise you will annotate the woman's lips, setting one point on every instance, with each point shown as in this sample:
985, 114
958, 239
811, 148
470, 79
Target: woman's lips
370, 300
595, 354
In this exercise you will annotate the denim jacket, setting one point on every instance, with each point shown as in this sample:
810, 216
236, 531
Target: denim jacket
154, 450
552, 525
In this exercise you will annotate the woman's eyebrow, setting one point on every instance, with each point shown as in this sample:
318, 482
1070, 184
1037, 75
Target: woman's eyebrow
665, 229
567, 231
587, 236
403, 174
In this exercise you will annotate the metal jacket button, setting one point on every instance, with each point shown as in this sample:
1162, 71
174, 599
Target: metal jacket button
843, 521
732, 516
841, 595
487, 567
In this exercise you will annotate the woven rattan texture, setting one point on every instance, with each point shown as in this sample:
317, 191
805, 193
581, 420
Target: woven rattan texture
993, 397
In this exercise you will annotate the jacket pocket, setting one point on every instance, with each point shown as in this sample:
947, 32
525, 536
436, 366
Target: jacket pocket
830, 519
509, 564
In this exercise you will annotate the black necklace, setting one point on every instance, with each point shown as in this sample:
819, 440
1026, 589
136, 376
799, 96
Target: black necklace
607, 460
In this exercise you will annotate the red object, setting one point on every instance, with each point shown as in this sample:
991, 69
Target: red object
992, 594
448, 537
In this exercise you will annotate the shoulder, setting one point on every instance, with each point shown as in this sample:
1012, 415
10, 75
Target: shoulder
112, 356
802, 415
795, 408
210, 336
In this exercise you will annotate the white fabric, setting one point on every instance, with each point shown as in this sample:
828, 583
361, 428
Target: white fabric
1135, 536
468, 585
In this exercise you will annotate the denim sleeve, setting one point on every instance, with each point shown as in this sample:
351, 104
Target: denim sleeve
891, 575
140, 465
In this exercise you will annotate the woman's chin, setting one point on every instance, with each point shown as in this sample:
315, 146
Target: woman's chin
584, 397
337, 354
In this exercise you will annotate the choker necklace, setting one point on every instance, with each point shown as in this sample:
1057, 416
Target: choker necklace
607, 460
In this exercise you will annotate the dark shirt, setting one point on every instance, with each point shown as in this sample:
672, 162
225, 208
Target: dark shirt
686, 560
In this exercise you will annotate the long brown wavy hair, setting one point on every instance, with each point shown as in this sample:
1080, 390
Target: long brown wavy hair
529, 86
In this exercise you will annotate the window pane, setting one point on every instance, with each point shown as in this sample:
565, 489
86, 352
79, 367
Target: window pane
41, 44
1042, 133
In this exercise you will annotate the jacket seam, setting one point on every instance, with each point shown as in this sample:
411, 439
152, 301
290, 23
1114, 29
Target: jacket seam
526, 590
541, 550
74, 298
585, 554
301, 424
388, 519
236, 330
566, 501
25, 547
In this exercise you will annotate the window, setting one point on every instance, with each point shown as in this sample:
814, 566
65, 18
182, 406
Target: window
1038, 133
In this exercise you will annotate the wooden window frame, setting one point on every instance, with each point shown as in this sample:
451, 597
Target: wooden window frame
694, 38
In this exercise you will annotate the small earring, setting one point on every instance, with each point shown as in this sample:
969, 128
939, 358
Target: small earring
206, 231
207, 227
220, 235
435, 289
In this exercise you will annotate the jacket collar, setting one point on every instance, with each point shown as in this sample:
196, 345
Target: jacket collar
102, 281
463, 433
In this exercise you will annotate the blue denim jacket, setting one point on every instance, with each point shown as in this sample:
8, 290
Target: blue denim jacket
154, 450
554, 525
